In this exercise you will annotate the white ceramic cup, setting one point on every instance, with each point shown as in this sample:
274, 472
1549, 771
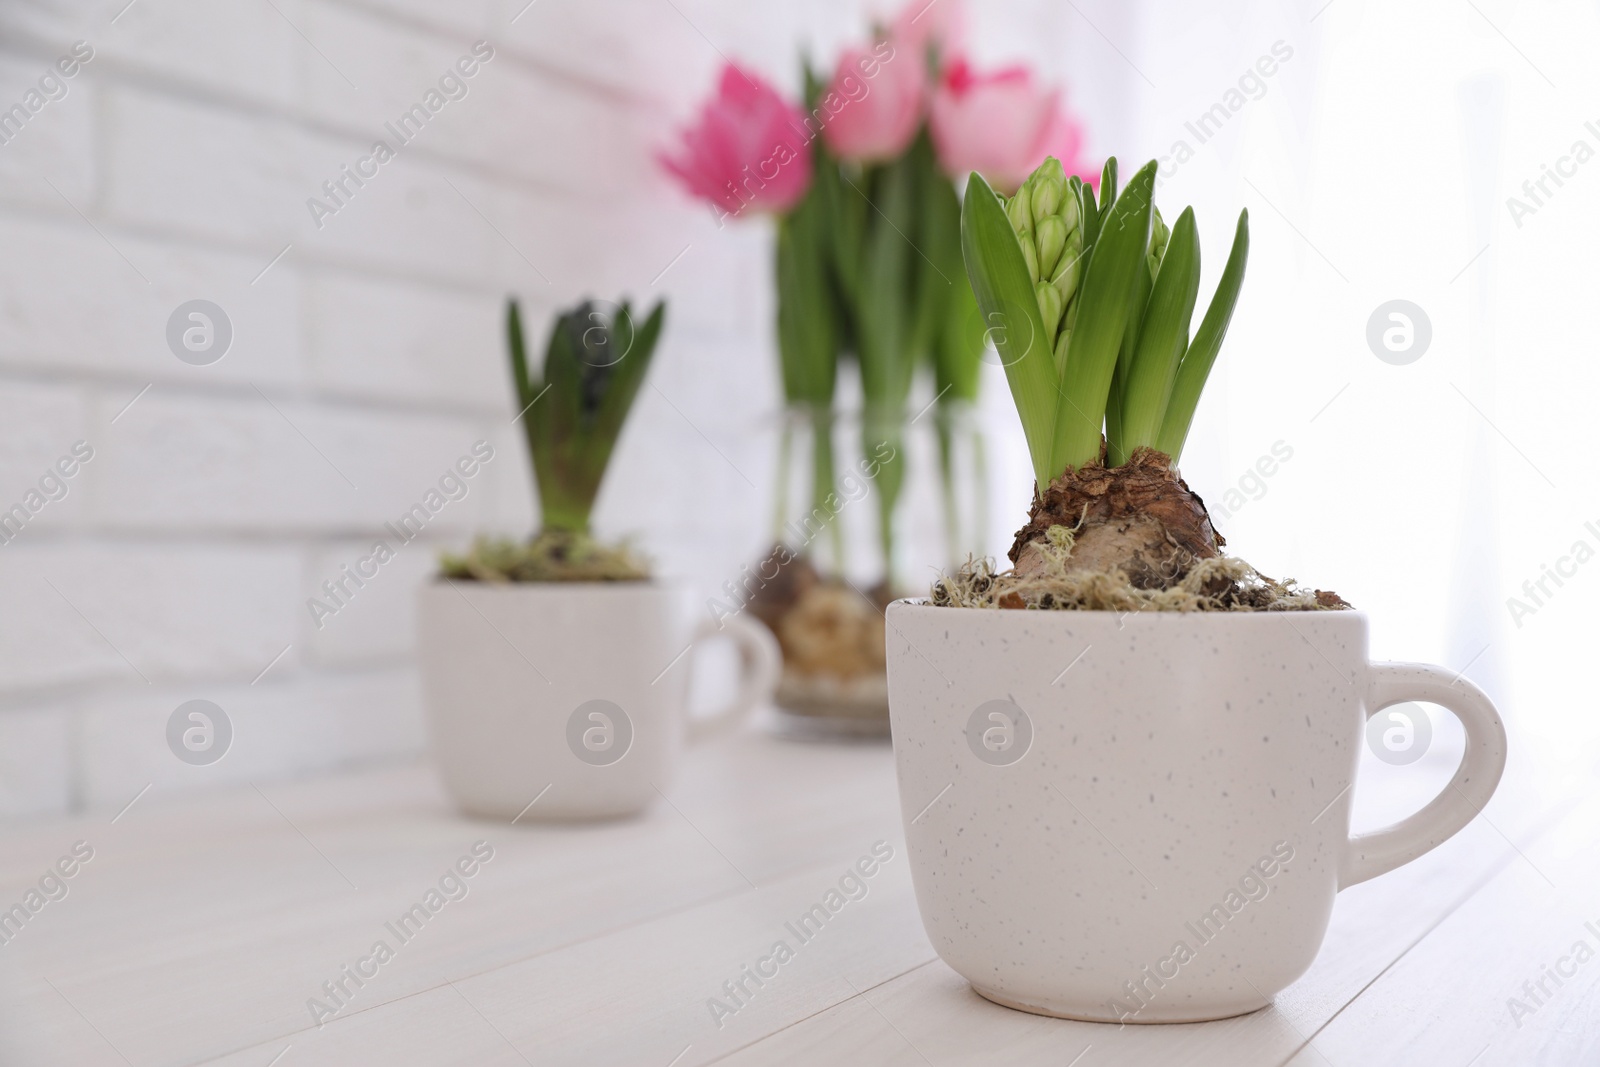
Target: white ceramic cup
1146, 818
570, 697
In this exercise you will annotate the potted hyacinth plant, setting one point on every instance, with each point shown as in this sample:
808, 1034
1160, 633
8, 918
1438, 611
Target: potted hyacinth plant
870, 283
550, 665
1125, 763
593, 369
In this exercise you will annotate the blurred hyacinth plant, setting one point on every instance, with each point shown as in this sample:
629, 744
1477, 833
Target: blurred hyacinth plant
891, 231
571, 415
810, 334
594, 366
955, 353
1090, 306
851, 283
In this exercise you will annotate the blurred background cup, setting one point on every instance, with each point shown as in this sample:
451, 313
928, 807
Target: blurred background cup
568, 701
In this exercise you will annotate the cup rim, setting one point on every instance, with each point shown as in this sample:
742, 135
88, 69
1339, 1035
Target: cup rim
433, 594
920, 605
636, 585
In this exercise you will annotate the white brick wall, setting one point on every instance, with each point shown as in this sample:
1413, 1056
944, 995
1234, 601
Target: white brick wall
177, 167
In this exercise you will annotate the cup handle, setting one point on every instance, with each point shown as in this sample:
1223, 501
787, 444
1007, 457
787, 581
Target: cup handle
1369, 855
759, 663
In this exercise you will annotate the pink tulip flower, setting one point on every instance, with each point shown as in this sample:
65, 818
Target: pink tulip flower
750, 149
874, 105
922, 24
1002, 125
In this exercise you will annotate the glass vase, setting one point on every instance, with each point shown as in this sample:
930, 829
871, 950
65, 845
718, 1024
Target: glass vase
823, 586
963, 482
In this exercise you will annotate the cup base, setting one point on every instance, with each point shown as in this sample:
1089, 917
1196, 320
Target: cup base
524, 815
552, 818
1153, 1015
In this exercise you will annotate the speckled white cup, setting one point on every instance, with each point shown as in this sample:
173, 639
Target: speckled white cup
1146, 818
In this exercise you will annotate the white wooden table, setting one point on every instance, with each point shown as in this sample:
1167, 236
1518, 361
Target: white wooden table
204, 923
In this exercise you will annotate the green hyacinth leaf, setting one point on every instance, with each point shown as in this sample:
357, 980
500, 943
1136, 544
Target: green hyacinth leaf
1202, 351
1002, 284
1163, 337
1104, 306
